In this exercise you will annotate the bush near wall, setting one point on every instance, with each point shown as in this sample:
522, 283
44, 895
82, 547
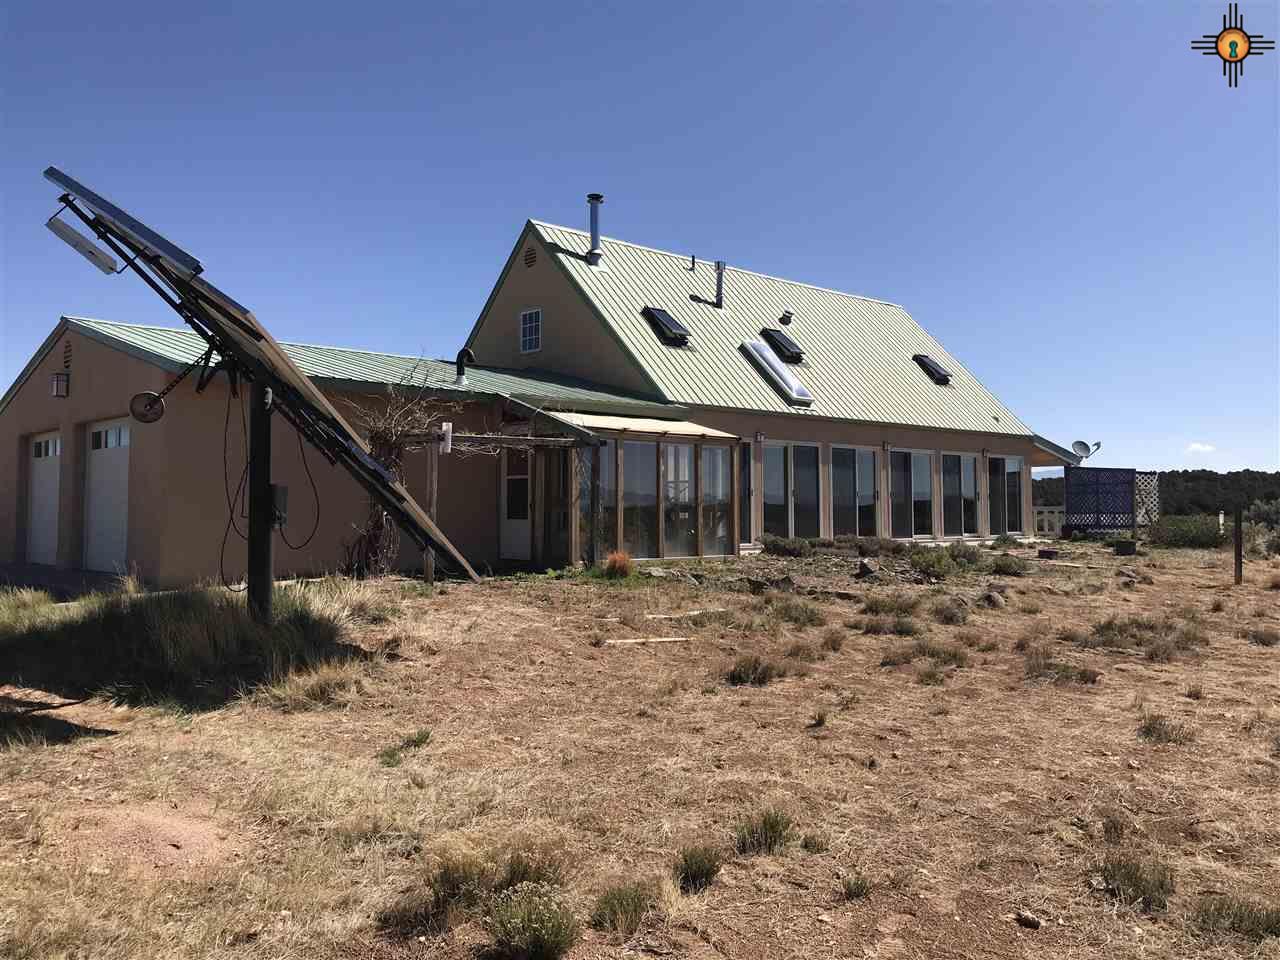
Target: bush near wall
1193, 531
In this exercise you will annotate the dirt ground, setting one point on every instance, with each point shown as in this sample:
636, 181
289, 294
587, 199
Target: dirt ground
256, 831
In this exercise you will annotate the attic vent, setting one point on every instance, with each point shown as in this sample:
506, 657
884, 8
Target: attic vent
669, 330
777, 373
66, 355
530, 256
786, 348
937, 373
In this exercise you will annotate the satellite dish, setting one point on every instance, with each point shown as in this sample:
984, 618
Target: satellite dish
1083, 450
146, 407
1097, 445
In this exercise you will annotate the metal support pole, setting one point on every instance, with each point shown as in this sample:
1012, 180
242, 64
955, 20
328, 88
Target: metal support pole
1239, 538
433, 482
261, 503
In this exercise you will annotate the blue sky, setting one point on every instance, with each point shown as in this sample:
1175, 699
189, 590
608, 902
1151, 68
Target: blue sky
1066, 195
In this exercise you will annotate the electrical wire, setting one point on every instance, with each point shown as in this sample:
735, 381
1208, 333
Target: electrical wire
315, 495
231, 501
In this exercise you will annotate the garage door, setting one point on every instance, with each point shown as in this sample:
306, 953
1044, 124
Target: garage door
106, 500
42, 499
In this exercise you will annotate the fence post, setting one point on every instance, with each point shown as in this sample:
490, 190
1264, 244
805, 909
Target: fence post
1239, 546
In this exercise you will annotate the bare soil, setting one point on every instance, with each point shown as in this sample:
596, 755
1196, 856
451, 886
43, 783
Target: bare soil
250, 831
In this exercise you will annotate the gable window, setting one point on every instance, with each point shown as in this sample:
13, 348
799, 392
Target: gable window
531, 331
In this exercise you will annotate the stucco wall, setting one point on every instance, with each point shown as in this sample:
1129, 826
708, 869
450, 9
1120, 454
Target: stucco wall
177, 497
574, 340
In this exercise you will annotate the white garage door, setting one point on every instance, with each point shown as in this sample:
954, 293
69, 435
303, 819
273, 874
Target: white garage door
106, 499
42, 499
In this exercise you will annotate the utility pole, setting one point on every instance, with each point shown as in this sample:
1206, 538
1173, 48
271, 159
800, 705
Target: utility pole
261, 503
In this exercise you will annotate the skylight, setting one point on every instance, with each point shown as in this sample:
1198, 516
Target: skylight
776, 372
786, 348
669, 330
937, 373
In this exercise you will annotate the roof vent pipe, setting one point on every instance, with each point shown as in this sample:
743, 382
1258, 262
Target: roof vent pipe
595, 253
719, 284
465, 356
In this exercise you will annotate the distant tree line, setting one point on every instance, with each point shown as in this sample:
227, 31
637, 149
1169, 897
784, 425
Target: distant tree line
1189, 491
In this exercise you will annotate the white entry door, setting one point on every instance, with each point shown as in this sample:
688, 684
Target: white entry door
516, 491
42, 498
106, 500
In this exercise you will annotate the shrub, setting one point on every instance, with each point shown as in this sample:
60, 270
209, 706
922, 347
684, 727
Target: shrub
754, 670
1263, 636
930, 675
950, 611
1254, 921
532, 921
877, 626
970, 638
1004, 542
1114, 825
802, 652
785, 546
796, 611
618, 565
1143, 883
1040, 665
1265, 512
323, 685
696, 867
880, 604
532, 861
764, 832
459, 883
833, 639
1218, 605
904, 626
881, 547
1007, 565
1193, 531
933, 563
622, 908
941, 653
964, 554
856, 886
1194, 692
1158, 728
1030, 607
814, 843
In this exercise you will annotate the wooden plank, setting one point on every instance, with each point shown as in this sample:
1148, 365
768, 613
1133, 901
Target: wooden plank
619, 643
668, 616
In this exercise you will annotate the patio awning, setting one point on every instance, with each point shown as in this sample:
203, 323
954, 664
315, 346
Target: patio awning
646, 425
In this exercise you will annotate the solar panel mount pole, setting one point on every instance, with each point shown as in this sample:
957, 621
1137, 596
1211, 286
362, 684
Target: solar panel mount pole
261, 505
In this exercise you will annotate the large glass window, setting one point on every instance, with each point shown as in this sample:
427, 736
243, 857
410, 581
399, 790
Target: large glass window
807, 510
911, 494
607, 518
853, 492
922, 494
640, 498
679, 504
744, 492
959, 495
1004, 494
717, 497
777, 492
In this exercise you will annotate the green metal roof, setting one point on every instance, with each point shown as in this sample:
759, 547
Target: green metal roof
858, 351
173, 348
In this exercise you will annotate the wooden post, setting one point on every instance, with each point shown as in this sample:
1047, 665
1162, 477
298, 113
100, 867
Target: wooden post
617, 495
662, 500
697, 497
1239, 538
433, 486
575, 507
596, 454
735, 524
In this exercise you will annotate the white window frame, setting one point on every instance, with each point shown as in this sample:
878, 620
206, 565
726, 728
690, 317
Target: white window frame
520, 330
877, 453
977, 493
933, 494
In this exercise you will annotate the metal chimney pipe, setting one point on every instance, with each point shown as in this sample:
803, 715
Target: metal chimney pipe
465, 356
719, 284
595, 253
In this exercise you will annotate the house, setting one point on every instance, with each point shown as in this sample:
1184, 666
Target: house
701, 406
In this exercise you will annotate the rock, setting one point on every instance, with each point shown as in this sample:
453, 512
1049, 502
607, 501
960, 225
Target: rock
784, 584
659, 572
1047, 553
755, 585
1128, 584
867, 567
1027, 919
1000, 588
1129, 572
993, 599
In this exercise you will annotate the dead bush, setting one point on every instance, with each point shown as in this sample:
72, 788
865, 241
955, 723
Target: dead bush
755, 671
950, 611
618, 565
1158, 728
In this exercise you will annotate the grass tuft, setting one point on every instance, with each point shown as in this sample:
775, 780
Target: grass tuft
1158, 728
795, 610
754, 670
1114, 825
1228, 914
814, 843
890, 604
532, 921
1263, 636
1006, 565
621, 909
696, 867
762, 833
856, 886
1146, 884
832, 639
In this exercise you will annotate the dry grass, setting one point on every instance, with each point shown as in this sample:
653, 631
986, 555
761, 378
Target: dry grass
971, 800
618, 565
1146, 884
